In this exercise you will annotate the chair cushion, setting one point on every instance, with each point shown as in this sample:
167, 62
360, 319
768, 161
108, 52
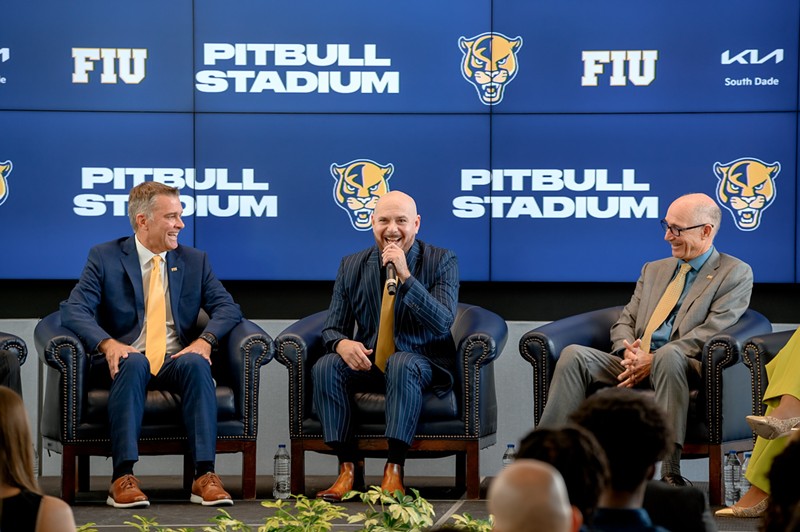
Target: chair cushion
161, 407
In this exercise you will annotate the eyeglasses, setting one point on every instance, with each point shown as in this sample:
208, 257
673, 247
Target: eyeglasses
676, 231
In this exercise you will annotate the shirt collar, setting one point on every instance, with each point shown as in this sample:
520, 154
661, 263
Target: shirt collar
697, 262
145, 255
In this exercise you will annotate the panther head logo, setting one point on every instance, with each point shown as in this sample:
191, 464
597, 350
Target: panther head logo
490, 63
746, 188
5, 169
359, 184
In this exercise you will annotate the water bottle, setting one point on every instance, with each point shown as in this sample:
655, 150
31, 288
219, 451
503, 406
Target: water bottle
281, 486
744, 484
730, 477
510, 455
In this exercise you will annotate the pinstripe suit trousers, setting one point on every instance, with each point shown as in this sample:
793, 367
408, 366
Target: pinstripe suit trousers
407, 376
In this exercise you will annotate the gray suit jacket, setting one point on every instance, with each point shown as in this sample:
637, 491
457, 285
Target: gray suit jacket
716, 300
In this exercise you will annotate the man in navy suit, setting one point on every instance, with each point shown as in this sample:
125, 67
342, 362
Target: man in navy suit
423, 356
106, 309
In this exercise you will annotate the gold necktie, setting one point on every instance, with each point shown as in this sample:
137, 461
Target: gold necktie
385, 347
155, 315
665, 305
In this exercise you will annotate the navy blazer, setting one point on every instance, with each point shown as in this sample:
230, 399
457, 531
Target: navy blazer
425, 306
108, 301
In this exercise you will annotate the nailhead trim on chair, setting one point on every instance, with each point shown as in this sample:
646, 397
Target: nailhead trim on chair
714, 396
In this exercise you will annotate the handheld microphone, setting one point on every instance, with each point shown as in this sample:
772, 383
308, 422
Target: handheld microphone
391, 278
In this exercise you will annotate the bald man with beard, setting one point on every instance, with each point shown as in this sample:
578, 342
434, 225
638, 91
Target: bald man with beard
530, 496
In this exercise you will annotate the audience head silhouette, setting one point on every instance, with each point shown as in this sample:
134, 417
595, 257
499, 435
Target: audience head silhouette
575, 453
530, 496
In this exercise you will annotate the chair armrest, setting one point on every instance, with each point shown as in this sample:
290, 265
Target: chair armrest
297, 347
248, 348
725, 349
725, 378
66, 386
543, 345
758, 351
479, 335
59, 347
15, 344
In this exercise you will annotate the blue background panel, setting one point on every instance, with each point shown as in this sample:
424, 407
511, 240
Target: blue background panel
48, 151
41, 36
671, 155
311, 232
418, 37
690, 38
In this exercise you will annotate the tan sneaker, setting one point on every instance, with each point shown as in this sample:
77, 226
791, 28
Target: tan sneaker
125, 493
208, 491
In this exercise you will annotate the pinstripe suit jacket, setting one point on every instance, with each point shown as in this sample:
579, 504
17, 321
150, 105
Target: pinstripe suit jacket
716, 300
425, 306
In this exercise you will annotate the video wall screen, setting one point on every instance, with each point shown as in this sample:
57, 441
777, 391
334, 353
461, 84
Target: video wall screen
527, 131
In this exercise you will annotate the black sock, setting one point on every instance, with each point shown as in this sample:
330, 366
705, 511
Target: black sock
202, 468
398, 449
345, 451
125, 468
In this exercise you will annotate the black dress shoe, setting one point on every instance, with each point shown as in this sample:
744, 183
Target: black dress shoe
676, 480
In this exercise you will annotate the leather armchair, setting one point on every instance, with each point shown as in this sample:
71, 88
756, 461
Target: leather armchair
75, 413
461, 423
15, 344
758, 352
717, 410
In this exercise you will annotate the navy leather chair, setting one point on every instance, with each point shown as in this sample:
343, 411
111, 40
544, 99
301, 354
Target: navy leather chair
717, 409
75, 413
461, 423
758, 352
15, 344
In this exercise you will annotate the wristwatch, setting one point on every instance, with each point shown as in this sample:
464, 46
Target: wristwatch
210, 338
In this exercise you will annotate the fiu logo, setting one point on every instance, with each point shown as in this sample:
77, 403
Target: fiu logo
126, 64
636, 66
746, 188
5, 169
359, 184
490, 63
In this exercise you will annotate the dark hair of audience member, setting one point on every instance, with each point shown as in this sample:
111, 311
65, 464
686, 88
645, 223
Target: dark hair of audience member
783, 512
16, 447
630, 428
575, 453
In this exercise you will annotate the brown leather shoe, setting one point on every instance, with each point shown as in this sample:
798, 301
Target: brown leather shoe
125, 493
208, 491
351, 476
393, 478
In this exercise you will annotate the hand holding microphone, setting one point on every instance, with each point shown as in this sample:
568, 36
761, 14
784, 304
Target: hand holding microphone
391, 278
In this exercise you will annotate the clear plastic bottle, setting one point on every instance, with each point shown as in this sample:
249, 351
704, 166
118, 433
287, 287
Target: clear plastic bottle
730, 476
281, 478
744, 484
510, 455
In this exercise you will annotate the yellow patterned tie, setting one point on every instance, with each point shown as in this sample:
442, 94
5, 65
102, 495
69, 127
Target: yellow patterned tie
385, 347
665, 305
155, 315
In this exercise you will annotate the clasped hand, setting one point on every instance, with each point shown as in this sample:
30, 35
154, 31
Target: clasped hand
637, 364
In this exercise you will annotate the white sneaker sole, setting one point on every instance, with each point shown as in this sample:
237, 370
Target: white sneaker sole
197, 499
138, 504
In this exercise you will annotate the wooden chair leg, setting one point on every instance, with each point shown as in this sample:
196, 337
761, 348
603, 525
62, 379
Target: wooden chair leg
473, 470
249, 471
68, 478
715, 461
298, 476
83, 472
461, 471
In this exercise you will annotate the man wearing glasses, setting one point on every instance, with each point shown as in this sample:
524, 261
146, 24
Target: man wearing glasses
657, 342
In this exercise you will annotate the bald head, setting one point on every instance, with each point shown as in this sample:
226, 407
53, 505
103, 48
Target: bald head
395, 220
694, 221
530, 496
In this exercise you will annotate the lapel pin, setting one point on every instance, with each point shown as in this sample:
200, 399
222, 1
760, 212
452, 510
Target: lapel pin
709, 277
175, 269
